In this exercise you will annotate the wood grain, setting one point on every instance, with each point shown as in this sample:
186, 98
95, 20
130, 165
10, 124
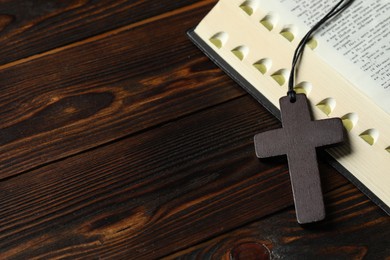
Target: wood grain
355, 229
120, 140
152, 194
55, 106
30, 27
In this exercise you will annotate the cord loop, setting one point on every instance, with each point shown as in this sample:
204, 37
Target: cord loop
292, 95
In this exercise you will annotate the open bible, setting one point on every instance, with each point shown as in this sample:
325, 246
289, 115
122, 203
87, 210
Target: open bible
345, 71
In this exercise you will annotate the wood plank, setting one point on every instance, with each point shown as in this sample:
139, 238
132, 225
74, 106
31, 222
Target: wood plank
66, 102
152, 194
356, 229
29, 27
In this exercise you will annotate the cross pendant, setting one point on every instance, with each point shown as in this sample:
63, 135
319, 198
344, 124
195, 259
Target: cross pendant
298, 139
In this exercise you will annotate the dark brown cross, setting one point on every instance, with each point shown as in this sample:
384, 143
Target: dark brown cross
298, 139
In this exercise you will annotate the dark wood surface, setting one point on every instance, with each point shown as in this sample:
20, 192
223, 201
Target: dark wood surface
121, 140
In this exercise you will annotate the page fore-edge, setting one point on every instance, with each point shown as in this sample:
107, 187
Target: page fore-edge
213, 56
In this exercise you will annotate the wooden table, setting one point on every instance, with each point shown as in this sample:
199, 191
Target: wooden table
121, 140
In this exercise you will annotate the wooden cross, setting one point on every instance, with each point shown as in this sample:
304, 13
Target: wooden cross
298, 139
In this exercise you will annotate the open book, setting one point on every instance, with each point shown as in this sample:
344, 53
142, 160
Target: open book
345, 71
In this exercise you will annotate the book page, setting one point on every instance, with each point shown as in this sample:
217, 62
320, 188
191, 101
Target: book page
356, 43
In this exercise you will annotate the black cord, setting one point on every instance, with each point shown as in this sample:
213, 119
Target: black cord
337, 9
